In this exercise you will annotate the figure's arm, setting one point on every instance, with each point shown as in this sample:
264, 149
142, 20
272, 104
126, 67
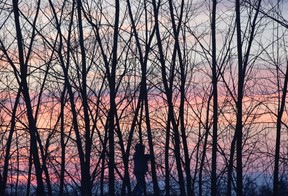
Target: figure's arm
148, 157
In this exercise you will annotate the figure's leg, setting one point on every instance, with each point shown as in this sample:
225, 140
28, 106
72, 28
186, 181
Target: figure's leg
135, 190
142, 184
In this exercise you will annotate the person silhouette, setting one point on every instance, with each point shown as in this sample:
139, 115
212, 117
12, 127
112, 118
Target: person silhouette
140, 168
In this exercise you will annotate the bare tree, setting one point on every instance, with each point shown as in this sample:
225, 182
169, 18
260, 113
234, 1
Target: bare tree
25, 91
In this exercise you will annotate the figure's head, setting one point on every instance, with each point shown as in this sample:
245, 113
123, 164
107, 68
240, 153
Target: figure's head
139, 147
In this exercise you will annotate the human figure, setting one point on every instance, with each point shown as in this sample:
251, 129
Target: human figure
140, 168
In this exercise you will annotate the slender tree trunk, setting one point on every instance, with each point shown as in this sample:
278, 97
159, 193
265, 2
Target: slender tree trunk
25, 92
201, 167
167, 168
170, 104
103, 159
66, 84
18, 165
44, 166
102, 175
83, 167
176, 30
86, 187
126, 182
8, 145
239, 126
176, 147
34, 147
281, 108
151, 148
242, 67
204, 146
133, 124
111, 134
215, 102
73, 105
112, 96
278, 135
230, 166
29, 173
63, 150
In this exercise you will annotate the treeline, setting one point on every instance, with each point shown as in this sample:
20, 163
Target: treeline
202, 84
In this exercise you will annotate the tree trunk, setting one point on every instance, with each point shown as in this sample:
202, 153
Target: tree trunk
112, 96
215, 103
239, 126
25, 92
278, 135
8, 146
86, 186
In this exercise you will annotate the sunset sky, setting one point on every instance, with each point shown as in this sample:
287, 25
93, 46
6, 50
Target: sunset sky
91, 88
